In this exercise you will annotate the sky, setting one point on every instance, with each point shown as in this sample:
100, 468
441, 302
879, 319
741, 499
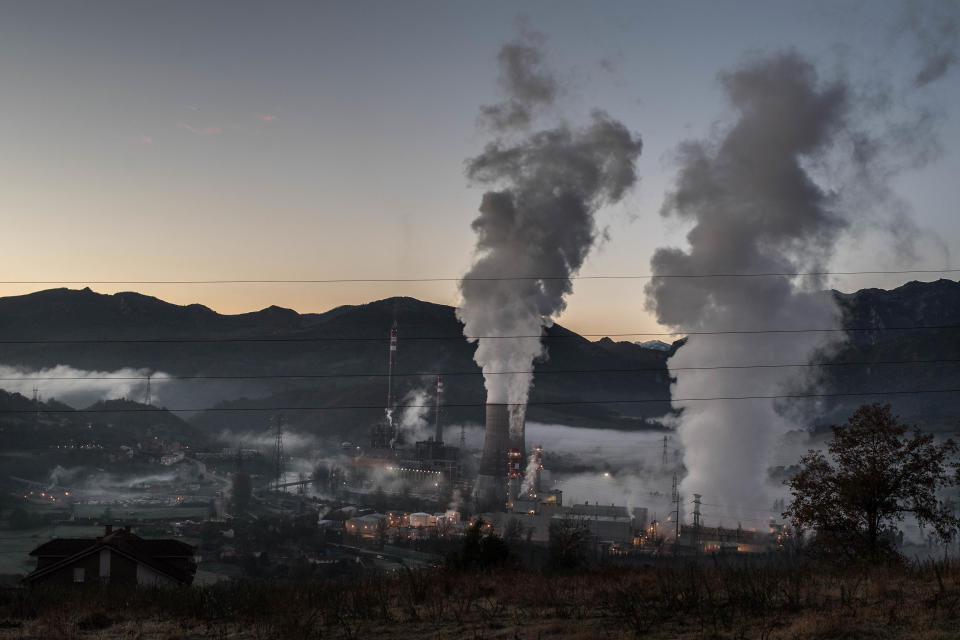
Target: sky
327, 140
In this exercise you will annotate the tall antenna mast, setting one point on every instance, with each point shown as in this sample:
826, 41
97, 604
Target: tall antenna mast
437, 424
392, 354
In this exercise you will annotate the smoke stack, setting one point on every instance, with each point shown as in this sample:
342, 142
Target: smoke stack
490, 491
439, 427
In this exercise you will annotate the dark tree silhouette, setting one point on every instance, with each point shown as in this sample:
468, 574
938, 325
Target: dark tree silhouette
568, 544
874, 477
479, 551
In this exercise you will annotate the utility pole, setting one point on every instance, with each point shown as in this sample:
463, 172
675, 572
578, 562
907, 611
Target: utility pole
696, 521
676, 502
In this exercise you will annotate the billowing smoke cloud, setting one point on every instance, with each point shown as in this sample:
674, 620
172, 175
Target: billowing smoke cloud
79, 387
540, 221
755, 208
804, 162
527, 85
415, 418
935, 27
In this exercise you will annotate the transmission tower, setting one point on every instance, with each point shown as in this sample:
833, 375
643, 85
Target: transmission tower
665, 451
148, 400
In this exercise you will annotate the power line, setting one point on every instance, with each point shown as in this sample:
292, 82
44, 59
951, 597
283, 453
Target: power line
481, 404
646, 276
479, 372
572, 335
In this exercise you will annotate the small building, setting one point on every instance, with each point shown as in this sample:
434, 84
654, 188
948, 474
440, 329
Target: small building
723, 540
117, 557
421, 519
368, 526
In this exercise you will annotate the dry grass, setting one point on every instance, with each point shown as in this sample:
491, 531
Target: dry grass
795, 602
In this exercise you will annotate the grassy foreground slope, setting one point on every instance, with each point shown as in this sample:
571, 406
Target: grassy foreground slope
734, 601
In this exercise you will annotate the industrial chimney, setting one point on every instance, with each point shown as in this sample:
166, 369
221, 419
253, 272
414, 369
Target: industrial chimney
490, 491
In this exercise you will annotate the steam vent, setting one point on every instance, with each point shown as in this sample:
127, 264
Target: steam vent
490, 491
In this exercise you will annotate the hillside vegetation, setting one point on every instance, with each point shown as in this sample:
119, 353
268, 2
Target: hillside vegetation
725, 599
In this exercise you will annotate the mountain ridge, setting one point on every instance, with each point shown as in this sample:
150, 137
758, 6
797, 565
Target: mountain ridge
312, 345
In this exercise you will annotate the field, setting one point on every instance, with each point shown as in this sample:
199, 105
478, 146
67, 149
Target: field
736, 600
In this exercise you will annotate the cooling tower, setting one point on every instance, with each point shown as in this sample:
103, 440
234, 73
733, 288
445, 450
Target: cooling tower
490, 490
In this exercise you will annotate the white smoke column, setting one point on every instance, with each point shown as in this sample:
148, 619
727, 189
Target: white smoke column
755, 209
539, 223
456, 501
530, 475
81, 386
414, 419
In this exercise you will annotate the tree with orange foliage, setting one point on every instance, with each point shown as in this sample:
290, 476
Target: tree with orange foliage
874, 477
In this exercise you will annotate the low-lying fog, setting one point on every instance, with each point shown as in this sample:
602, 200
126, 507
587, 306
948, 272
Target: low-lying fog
80, 387
603, 466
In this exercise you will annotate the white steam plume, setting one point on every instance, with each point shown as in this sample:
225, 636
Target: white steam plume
540, 221
529, 475
79, 387
756, 207
414, 419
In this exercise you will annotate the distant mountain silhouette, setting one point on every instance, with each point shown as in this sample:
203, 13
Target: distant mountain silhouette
25, 424
281, 342
915, 304
430, 341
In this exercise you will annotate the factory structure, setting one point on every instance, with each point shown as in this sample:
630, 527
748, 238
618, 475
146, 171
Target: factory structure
427, 462
502, 460
512, 484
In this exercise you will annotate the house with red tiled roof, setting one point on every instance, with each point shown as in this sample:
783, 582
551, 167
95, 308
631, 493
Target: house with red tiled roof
117, 557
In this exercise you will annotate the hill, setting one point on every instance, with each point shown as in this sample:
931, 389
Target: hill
341, 354
50, 425
894, 356
277, 357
